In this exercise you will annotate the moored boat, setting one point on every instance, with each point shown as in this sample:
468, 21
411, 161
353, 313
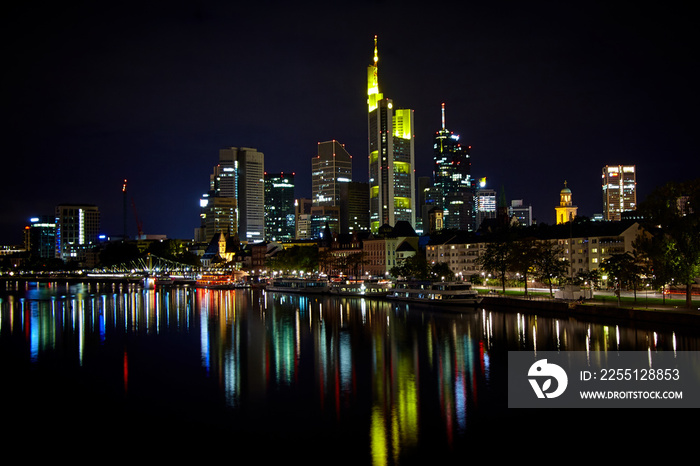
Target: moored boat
443, 293
218, 282
299, 285
362, 288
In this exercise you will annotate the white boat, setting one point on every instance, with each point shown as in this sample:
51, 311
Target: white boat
299, 285
362, 288
443, 293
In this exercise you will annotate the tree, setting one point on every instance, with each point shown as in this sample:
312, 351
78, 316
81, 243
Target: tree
496, 260
523, 254
413, 267
672, 215
624, 269
441, 270
591, 277
547, 263
657, 252
356, 263
304, 258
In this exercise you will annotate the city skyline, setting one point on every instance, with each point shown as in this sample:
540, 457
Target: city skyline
543, 96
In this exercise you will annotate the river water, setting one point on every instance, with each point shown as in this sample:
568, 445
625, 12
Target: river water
115, 370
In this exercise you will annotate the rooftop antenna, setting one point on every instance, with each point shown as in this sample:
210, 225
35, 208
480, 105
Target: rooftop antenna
376, 55
443, 116
124, 207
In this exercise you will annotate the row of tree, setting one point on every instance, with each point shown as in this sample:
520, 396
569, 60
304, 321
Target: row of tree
528, 258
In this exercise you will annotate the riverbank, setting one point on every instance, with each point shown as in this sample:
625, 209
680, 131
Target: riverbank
605, 309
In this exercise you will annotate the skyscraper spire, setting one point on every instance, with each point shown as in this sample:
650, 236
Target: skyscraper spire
443, 116
373, 94
376, 55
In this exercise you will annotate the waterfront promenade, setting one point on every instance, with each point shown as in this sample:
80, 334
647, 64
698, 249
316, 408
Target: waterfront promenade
647, 308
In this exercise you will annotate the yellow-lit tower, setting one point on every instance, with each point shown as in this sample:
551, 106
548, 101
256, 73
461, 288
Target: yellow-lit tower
391, 156
566, 211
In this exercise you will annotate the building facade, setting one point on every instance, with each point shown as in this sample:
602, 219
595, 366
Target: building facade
330, 168
77, 231
237, 182
619, 190
251, 195
391, 156
217, 215
452, 179
485, 203
40, 237
354, 207
522, 212
279, 207
302, 218
385, 250
586, 246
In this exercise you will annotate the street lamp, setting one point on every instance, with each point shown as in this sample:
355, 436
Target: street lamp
646, 291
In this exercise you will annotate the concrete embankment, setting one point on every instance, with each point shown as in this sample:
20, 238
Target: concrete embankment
600, 312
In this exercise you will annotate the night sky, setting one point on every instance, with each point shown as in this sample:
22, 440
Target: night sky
544, 92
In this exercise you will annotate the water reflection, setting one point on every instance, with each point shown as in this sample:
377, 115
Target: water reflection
394, 379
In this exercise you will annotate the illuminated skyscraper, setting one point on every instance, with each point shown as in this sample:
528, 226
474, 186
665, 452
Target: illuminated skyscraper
485, 203
77, 231
391, 156
279, 207
452, 179
236, 198
40, 237
619, 190
354, 207
331, 167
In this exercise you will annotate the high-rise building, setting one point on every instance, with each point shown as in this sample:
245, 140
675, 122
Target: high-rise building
279, 206
237, 182
452, 179
77, 230
302, 216
391, 156
251, 195
354, 207
331, 167
521, 212
566, 211
219, 206
324, 217
485, 203
40, 237
218, 215
423, 183
619, 190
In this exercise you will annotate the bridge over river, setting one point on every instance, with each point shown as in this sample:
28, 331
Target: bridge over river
146, 271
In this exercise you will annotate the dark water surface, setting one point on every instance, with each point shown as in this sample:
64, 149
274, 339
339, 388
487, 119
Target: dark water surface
107, 372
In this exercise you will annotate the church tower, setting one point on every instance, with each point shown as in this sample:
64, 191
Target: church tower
566, 211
